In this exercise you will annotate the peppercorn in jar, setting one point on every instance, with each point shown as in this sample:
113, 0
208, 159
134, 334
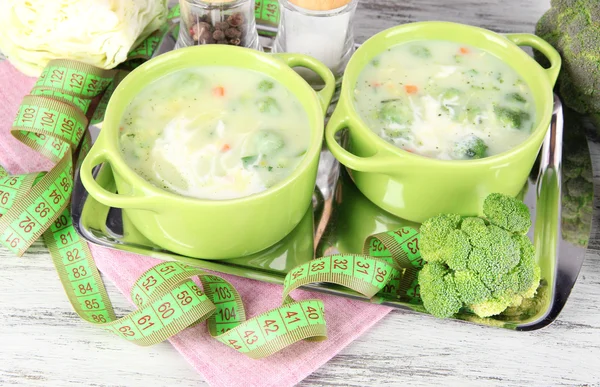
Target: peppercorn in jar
228, 22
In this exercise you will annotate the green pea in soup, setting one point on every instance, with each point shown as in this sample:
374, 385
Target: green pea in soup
214, 133
445, 100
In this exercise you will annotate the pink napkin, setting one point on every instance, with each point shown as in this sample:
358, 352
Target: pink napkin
220, 365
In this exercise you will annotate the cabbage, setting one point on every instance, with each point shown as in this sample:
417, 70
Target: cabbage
98, 32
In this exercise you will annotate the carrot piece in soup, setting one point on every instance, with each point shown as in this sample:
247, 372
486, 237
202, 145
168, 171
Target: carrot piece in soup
225, 148
464, 50
411, 89
219, 91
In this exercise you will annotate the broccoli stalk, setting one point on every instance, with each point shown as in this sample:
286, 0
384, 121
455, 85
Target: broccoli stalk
483, 264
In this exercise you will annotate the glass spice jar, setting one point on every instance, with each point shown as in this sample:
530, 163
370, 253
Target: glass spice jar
322, 29
229, 22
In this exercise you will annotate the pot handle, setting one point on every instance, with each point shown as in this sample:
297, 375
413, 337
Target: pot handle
542, 46
340, 120
99, 154
300, 60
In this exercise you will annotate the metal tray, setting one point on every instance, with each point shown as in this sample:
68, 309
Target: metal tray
341, 218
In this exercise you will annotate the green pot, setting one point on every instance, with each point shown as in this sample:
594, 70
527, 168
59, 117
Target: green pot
212, 229
414, 187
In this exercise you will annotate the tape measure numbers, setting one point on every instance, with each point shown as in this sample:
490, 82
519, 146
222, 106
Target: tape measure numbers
53, 121
266, 12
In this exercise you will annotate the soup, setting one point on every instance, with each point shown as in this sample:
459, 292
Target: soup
445, 100
214, 132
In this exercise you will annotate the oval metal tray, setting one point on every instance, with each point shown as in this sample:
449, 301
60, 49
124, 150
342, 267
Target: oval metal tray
341, 218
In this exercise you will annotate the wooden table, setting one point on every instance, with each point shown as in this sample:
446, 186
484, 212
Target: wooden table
43, 342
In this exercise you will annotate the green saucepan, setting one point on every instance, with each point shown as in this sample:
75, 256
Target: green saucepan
415, 187
212, 229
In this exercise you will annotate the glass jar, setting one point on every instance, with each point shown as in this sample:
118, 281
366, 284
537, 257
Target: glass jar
325, 35
229, 22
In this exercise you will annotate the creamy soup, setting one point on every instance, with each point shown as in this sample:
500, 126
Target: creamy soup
214, 132
445, 100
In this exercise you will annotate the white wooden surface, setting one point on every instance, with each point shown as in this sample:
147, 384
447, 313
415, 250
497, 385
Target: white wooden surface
43, 343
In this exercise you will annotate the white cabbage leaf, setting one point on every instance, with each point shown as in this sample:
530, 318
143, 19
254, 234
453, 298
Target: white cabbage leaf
98, 32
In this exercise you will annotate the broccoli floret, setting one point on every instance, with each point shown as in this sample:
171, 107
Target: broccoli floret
526, 270
496, 253
507, 212
511, 117
434, 232
469, 147
495, 306
492, 306
515, 97
451, 93
579, 187
397, 133
482, 264
457, 250
438, 291
571, 169
577, 194
531, 306
268, 105
265, 86
475, 229
470, 287
572, 28
396, 111
420, 51
268, 142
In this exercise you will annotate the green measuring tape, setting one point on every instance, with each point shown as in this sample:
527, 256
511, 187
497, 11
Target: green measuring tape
53, 120
266, 13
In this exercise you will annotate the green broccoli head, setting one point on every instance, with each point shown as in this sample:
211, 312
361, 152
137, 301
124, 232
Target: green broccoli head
483, 264
507, 212
577, 180
570, 26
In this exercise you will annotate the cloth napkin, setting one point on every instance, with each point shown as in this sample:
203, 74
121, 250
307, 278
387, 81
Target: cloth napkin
218, 364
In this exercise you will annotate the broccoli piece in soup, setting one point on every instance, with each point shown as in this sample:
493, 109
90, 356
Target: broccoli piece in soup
194, 81
515, 97
420, 51
268, 105
451, 93
470, 147
268, 142
511, 117
265, 86
394, 110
